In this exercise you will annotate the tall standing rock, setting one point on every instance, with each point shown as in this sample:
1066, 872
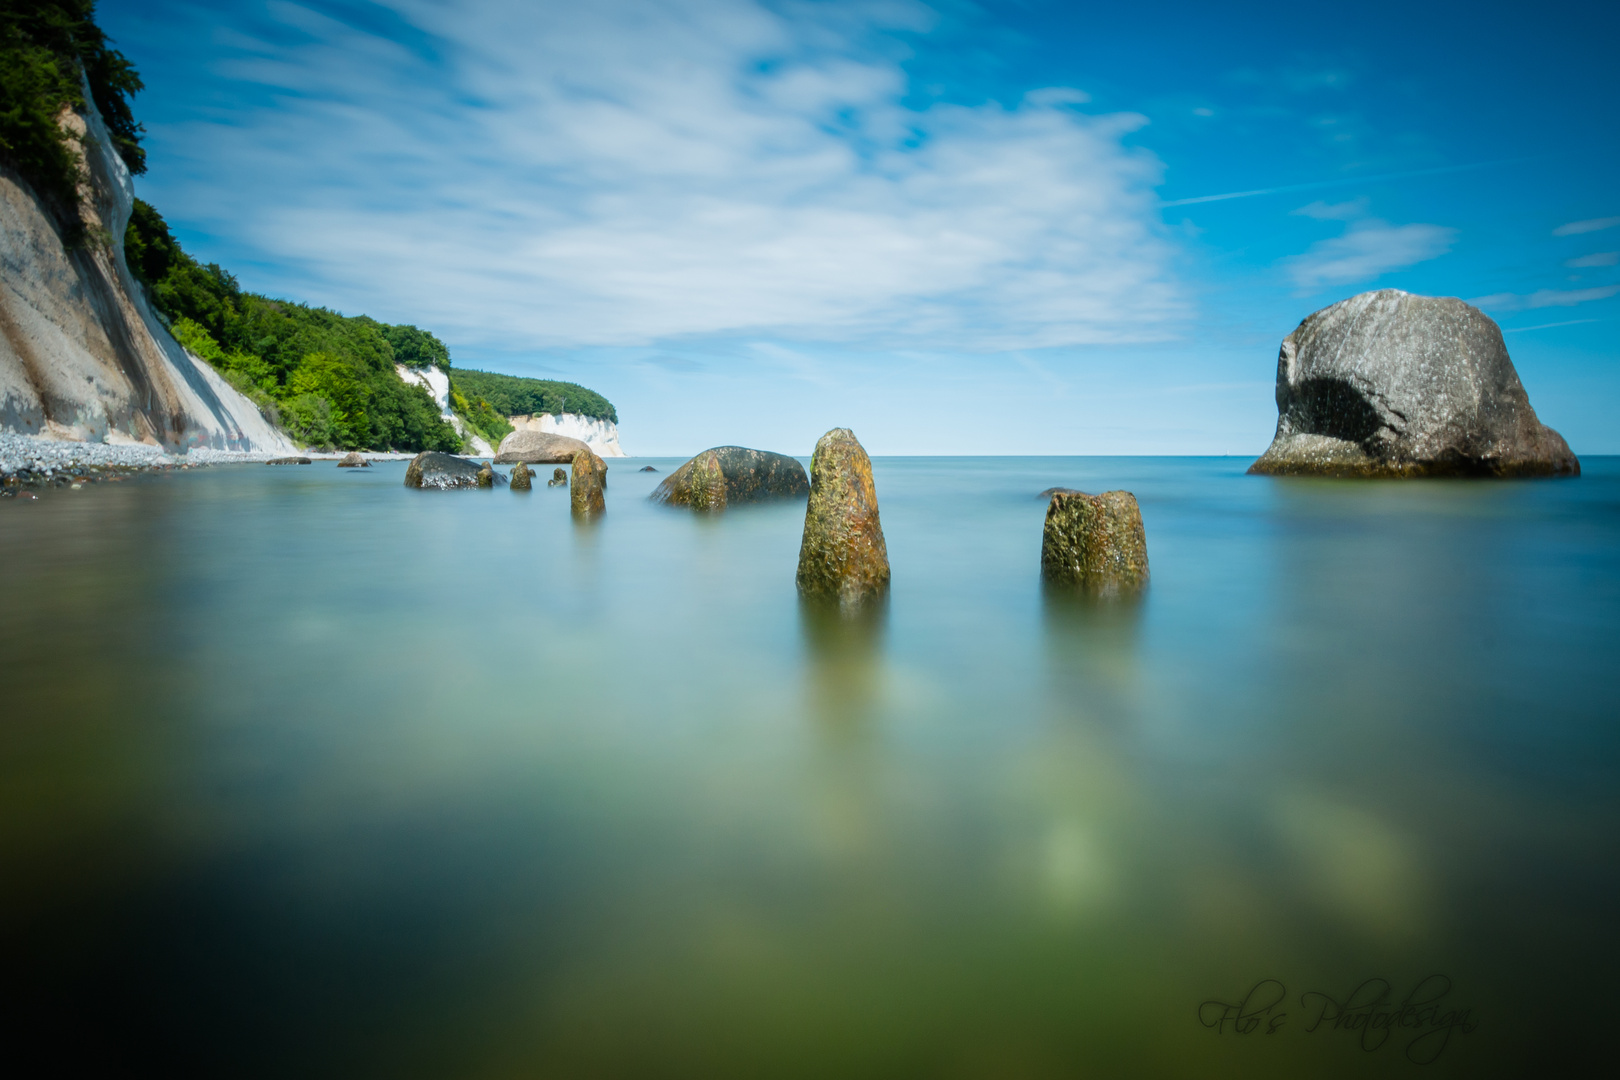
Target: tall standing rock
1095, 543
842, 558
522, 478
589, 481
1391, 384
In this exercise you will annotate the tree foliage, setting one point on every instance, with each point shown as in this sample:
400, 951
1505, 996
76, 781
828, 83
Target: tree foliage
49, 51
512, 395
330, 377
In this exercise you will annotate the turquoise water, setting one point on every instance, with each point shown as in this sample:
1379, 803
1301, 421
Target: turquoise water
304, 773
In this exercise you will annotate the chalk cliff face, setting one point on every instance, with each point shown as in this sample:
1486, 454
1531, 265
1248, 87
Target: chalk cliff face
82, 356
601, 436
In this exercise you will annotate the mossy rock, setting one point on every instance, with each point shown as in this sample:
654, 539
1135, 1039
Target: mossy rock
522, 478
588, 485
731, 475
843, 559
1095, 543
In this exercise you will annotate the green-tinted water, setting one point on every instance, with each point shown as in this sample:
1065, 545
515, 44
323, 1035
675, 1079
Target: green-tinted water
303, 773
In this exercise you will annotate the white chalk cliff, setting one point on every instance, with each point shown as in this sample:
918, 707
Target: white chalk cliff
82, 355
602, 436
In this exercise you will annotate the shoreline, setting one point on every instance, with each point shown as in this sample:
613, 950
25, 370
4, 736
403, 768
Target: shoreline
33, 462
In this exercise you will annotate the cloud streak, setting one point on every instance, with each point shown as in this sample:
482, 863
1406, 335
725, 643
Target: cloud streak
1366, 250
566, 175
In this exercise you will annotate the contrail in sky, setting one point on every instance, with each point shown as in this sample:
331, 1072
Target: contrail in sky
1336, 183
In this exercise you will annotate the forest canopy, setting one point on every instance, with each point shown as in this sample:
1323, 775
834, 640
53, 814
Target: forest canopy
50, 50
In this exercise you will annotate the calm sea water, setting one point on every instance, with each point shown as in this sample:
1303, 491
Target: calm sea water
303, 773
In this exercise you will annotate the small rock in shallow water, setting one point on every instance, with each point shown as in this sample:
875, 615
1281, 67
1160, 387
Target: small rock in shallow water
522, 477
587, 484
432, 469
1095, 543
291, 461
558, 479
354, 460
842, 558
648, 468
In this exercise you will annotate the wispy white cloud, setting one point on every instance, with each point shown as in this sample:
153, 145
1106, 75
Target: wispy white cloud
1601, 258
621, 173
1366, 250
1549, 325
1543, 298
1575, 228
1345, 211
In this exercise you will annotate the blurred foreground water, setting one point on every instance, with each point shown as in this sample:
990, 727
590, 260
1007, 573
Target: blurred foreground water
306, 774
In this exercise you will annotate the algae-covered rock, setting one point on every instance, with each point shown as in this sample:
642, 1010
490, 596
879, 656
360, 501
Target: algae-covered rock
522, 478
842, 558
354, 460
1095, 543
488, 477
538, 448
1391, 384
558, 479
433, 469
587, 485
702, 484
729, 475
291, 461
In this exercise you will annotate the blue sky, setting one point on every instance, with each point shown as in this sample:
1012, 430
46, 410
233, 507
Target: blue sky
1021, 227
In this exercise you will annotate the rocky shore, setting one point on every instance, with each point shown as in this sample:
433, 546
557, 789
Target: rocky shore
32, 462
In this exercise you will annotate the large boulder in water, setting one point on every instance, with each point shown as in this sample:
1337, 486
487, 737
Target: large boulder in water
842, 558
538, 448
727, 475
588, 483
1391, 384
1095, 543
431, 469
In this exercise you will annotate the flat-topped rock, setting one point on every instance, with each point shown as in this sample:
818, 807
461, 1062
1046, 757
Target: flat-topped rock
538, 448
433, 469
843, 558
730, 475
1391, 384
291, 461
1095, 543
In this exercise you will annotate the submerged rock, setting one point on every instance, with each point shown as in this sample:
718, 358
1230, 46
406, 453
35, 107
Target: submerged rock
432, 469
1095, 543
728, 475
558, 479
842, 558
354, 460
291, 461
589, 481
1391, 384
1051, 491
538, 448
522, 478
647, 468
